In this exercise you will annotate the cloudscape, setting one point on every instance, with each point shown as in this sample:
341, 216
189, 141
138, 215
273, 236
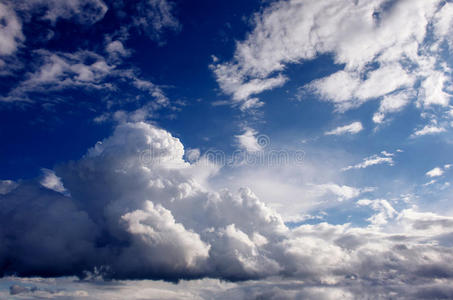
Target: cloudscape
199, 149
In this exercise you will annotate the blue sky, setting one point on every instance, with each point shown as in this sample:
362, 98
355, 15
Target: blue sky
355, 94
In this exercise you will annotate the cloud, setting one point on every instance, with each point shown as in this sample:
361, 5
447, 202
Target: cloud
436, 172
7, 186
153, 16
384, 209
90, 72
51, 181
249, 140
135, 209
58, 71
11, 38
342, 191
372, 161
381, 61
81, 11
428, 130
352, 128
391, 104
10, 32
116, 50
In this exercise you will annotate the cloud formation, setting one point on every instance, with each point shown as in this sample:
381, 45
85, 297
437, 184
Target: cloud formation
98, 69
136, 209
389, 51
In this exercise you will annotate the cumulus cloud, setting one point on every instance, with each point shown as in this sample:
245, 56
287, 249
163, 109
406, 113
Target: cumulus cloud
436, 172
352, 128
135, 209
385, 49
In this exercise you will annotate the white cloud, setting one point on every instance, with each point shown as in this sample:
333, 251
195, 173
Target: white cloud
428, 130
391, 104
384, 209
352, 128
51, 181
87, 70
343, 192
388, 154
382, 47
373, 160
436, 172
249, 140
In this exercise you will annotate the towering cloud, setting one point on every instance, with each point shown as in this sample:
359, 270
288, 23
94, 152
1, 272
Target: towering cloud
134, 208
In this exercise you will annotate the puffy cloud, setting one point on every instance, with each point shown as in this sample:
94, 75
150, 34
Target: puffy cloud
352, 128
436, 172
135, 209
384, 47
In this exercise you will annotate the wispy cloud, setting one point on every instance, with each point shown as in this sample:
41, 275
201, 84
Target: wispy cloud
352, 128
372, 161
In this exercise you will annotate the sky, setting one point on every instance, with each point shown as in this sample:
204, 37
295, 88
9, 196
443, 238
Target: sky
274, 149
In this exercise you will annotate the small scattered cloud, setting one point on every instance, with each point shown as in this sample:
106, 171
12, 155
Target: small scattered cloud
373, 160
428, 130
51, 181
7, 186
436, 172
352, 128
248, 140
